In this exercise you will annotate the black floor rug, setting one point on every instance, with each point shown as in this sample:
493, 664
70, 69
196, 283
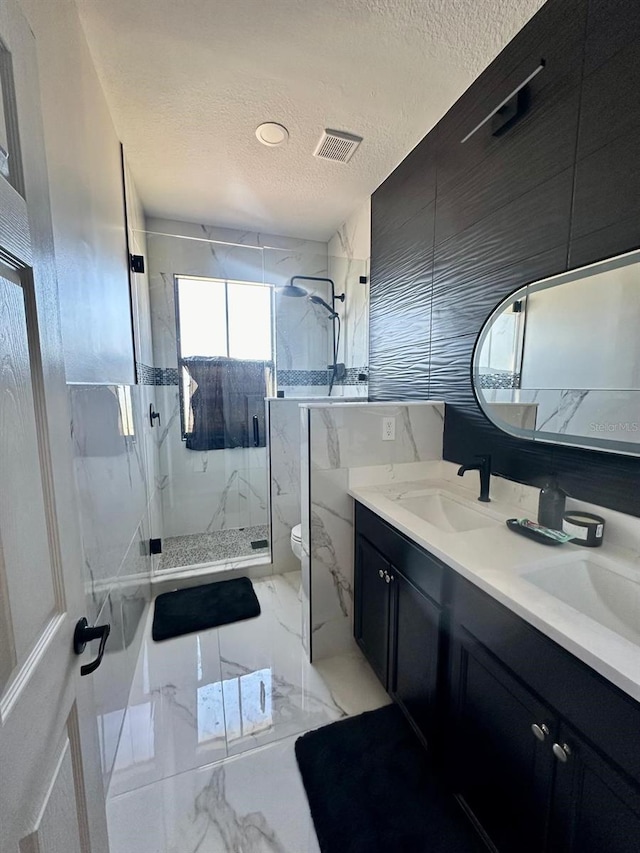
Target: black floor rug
371, 789
201, 607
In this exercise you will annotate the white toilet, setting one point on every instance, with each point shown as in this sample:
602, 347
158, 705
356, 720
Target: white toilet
296, 541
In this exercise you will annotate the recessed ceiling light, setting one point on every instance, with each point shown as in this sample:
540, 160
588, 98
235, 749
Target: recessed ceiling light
270, 133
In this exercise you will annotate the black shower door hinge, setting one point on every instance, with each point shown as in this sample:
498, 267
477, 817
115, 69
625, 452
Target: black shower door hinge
136, 263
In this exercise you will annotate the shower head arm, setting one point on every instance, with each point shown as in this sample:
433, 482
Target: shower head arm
339, 296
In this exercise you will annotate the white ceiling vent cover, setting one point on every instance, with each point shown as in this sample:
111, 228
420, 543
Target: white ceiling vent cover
337, 146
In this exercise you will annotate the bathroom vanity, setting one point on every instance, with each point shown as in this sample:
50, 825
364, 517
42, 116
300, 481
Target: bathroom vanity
529, 704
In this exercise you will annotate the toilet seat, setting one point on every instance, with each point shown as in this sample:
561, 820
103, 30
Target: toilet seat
296, 533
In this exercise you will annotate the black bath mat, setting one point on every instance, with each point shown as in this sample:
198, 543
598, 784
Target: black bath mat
371, 789
201, 607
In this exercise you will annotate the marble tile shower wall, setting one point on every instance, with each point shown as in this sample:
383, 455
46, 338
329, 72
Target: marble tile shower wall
349, 257
215, 490
340, 437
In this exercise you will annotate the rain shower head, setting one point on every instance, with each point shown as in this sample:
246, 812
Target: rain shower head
293, 290
318, 300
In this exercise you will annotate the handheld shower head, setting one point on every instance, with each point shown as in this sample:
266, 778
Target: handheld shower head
318, 300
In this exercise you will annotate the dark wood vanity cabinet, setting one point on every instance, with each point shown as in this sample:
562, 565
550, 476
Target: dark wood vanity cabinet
534, 734
595, 807
540, 749
498, 768
396, 623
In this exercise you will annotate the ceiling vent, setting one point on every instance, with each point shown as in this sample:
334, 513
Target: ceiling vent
337, 146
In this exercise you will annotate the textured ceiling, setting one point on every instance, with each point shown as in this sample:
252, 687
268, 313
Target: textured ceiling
188, 81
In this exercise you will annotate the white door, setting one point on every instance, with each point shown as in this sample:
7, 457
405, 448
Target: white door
51, 798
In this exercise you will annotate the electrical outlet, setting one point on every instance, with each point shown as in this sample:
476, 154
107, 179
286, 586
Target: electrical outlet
388, 429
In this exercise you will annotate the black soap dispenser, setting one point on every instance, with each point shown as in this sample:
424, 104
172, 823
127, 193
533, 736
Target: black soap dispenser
551, 505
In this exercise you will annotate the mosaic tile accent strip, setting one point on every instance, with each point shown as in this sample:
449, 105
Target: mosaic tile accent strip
302, 377
167, 376
353, 375
499, 380
321, 377
145, 374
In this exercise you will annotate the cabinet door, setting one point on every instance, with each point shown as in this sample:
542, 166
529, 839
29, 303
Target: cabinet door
371, 616
502, 772
413, 672
596, 807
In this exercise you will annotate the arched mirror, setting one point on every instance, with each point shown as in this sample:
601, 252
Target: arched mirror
558, 361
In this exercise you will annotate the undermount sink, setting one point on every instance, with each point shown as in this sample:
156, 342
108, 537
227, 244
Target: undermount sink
446, 512
607, 593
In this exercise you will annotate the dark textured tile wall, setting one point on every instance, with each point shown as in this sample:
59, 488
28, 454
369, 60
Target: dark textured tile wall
458, 226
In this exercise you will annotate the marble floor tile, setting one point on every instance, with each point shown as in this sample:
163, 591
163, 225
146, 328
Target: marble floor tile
254, 803
270, 690
201, 697
206, 760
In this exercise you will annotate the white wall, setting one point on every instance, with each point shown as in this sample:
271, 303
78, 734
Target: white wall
583, 334
113, 471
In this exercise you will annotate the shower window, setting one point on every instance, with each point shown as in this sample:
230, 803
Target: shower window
230, 319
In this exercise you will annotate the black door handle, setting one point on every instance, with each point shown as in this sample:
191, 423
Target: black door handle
153, 415
82, 635
256, 431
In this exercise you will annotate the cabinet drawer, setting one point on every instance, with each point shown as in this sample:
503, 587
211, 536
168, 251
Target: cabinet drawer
605, 715
425, 572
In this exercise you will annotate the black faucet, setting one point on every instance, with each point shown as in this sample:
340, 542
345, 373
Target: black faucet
483, 465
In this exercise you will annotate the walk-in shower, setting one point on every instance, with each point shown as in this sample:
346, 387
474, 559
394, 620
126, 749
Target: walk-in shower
223, 340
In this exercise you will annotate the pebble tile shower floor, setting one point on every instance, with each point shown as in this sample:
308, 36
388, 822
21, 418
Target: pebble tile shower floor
178, 551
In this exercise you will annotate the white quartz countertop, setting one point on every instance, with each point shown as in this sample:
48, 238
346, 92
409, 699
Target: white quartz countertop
495, 560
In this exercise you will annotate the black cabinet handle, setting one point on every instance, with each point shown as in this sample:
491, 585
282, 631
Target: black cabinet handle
256, 431
153, 415
82, 635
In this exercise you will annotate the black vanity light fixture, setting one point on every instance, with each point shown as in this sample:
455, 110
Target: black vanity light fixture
510, 109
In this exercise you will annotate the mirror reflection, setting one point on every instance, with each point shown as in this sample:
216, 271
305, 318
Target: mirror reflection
559, 360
